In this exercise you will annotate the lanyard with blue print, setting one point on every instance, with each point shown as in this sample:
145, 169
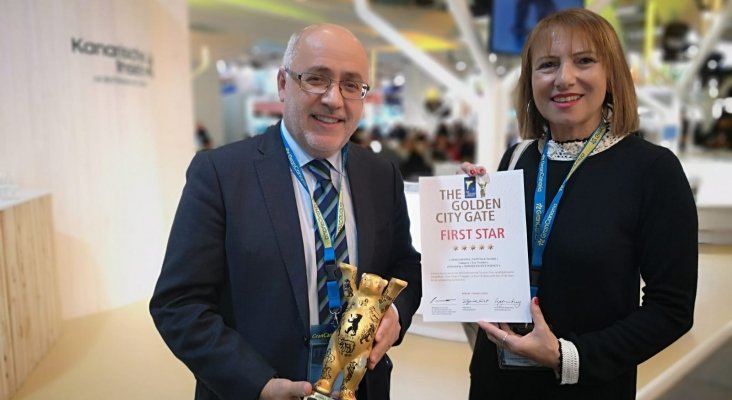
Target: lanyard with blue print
542, 223
334, 293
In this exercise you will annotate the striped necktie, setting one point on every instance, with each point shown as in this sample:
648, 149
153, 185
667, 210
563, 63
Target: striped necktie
326, 196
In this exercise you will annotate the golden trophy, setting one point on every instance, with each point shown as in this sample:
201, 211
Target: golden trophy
350, 344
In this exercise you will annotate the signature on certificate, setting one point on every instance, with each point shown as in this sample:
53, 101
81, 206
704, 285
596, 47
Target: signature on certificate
480, 300
439, 300
504, 304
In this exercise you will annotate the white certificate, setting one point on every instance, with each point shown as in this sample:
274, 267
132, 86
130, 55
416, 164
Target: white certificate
474, 251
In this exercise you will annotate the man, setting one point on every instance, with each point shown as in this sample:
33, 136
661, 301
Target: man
237, 294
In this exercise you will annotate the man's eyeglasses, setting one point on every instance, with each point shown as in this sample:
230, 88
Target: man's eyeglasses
319, 84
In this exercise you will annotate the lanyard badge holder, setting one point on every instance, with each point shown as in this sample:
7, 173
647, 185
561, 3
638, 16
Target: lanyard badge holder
543, 221
320, 334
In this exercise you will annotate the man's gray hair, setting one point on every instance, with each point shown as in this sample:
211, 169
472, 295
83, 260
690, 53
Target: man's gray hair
291, 49
292, 44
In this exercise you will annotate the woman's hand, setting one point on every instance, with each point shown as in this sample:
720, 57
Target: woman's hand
472, 169
539, 345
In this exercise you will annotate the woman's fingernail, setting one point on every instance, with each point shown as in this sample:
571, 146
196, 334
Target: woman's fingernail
536, 301
472, 172
482, 170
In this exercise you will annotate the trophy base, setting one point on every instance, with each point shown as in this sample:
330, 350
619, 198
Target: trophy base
318, 396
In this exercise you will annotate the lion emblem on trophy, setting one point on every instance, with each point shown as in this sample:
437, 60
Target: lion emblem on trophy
351, 343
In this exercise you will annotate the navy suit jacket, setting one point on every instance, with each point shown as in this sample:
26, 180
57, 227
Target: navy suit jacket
231, 301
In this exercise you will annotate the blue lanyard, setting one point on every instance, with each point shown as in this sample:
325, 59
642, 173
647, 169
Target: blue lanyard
334, 293
542, 223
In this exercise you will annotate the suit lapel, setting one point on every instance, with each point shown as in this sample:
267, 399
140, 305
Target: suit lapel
362, 195
273, 172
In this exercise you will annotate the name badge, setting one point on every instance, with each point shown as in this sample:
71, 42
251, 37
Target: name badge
510, 360
319, 339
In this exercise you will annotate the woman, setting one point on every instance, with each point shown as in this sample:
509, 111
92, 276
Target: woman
625, 213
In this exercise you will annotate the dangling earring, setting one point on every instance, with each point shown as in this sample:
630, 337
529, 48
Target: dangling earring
607, 112
607, 108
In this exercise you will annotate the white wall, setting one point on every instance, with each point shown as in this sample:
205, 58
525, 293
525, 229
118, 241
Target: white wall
208, 103
207, 106
111, 147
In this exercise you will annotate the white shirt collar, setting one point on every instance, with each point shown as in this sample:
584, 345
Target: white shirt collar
302, 157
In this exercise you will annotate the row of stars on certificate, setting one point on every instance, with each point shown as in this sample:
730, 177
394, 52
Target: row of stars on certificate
473, 247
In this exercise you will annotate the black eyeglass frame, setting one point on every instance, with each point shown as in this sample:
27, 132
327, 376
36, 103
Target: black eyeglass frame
364, 86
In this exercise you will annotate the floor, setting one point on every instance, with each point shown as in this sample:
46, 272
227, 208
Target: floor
710, 381
118, 355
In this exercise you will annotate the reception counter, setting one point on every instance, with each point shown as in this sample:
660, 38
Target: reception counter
29, 305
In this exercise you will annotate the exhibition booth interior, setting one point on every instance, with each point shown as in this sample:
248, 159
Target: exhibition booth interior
105, 103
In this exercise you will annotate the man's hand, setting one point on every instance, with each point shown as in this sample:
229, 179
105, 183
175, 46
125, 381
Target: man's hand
285, 389
386, 335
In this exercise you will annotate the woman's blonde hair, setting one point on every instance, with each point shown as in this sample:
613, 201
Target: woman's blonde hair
600, 35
